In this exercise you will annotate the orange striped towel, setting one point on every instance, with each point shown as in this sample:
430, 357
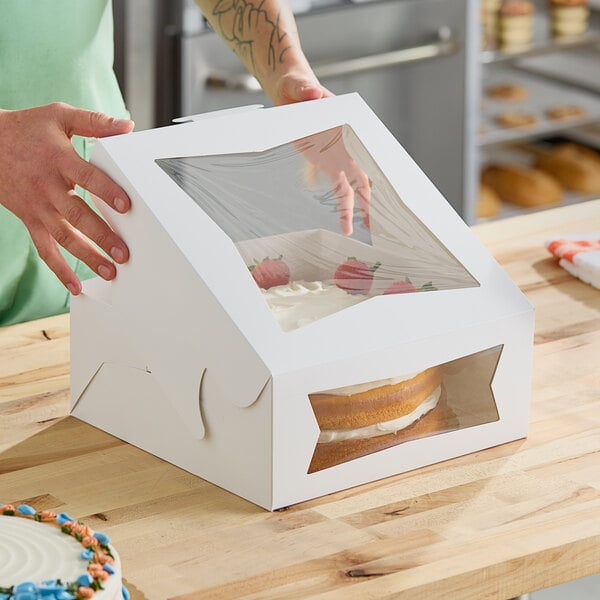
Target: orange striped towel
579, 254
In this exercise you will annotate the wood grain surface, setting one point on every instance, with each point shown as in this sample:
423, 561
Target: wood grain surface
494, 524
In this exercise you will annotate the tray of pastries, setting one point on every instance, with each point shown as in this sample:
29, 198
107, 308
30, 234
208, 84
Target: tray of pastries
517, 105
538, 175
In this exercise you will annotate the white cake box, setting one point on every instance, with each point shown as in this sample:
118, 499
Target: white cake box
181, 355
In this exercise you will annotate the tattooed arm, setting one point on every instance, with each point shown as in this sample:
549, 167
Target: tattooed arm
263, 34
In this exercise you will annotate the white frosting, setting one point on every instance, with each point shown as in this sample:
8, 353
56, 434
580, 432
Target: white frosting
301, 302
370, 385
33, 551
336, 435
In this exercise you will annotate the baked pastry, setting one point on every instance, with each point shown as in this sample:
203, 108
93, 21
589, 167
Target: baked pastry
362, 419
77, 562
562, 112
488, 202
516, 119
522, 186
569, 17
516, 24
575, 166
512, 92
489, 22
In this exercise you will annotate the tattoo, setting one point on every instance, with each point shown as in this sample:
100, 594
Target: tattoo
256, 37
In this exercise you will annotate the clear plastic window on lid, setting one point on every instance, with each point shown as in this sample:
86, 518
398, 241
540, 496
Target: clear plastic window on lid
318, 225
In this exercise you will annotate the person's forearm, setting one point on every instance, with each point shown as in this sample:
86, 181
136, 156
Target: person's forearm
263, 35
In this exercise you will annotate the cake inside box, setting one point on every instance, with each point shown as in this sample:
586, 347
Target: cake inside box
364, 418
318, 225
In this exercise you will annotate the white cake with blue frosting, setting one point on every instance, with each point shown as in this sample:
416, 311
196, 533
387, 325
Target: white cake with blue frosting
51, 556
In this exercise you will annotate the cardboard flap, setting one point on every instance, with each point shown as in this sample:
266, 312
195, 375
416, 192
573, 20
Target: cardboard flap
143, 388
100, 345
134, 395
177, 360
181, 385
91, 346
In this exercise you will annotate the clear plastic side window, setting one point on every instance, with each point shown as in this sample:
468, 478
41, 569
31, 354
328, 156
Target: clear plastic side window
318, 225
362, 419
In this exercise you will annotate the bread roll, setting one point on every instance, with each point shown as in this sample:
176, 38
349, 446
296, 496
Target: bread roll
512, 92
575, 166
522, 186
516, 119
562, 112
488, 202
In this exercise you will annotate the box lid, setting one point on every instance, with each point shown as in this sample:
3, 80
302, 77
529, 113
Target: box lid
236, 187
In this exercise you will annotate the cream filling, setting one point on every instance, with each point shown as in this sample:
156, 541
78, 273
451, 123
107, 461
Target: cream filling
393, 426
302, 302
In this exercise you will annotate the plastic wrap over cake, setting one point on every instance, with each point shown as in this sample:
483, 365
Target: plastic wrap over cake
318, 225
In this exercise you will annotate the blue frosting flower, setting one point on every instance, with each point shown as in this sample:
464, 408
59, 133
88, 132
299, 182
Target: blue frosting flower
25, 509
87, 554
125, 592
102, 538
86, 580
49, 589
25, 587
62, 518
108, 568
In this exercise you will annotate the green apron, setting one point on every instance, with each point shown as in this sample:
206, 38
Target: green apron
50, 51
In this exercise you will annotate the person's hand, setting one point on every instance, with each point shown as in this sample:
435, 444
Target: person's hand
326, 153
39, 169
298, 85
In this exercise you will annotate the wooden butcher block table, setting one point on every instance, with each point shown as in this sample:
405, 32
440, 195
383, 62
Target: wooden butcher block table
494, 524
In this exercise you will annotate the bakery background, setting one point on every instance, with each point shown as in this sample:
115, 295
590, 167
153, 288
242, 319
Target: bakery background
539, 131
427, 75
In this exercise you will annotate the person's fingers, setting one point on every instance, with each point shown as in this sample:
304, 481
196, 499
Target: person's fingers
74, 242
310, 175
48, 251
307, 90
362, 192
90, 178
43, 197
78, 121
364, 200
83, 218
345, 198
300, 89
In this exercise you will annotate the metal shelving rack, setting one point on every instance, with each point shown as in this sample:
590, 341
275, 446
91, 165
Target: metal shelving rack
543, 44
